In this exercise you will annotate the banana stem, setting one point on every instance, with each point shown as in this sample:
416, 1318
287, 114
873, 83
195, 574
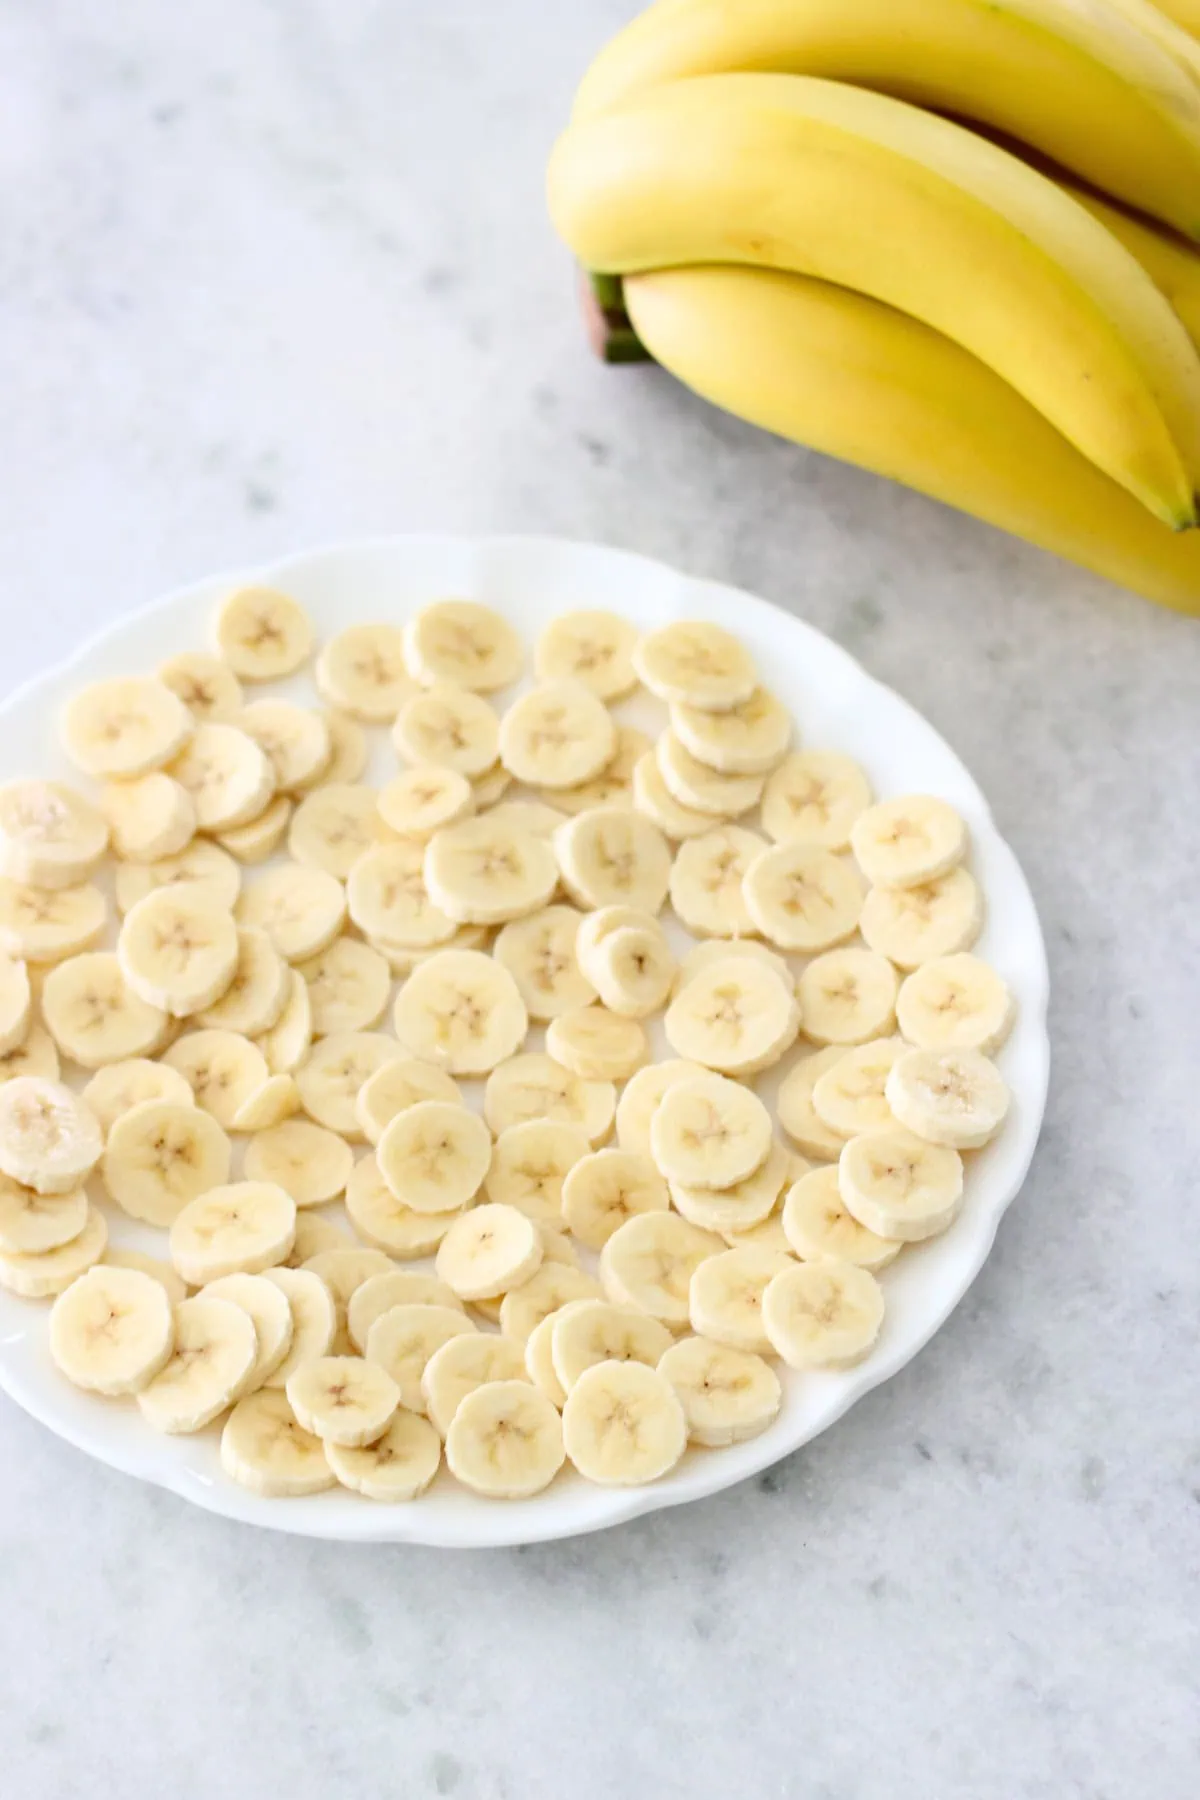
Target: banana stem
609, 331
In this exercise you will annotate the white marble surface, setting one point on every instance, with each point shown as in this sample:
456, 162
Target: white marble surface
277, 271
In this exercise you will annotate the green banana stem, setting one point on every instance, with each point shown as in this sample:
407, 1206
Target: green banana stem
609, 331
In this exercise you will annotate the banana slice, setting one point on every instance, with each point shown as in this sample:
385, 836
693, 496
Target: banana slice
49, 1140
595, 648
402, 959
301, 910
434, 1156
736, 1015
461, 1011
128, 726
288, 1042
389, 900
162, 1154
613, 786
348, 748
823, 1315
696, 664
505, 1441
819, 1228
386, 1223
554, 1285
693, 784
847, 997
539, 953
712, 950
112, 1331
748, 739
148, 817
419, 801
907, 842
598, 1331
557, 735
794, 1104
597, 1044
263, 635
534, 1086
276, 1100
242, 1227
611, 856
343, 1400
269, 1312
649, 1263
539, 1362
94, 1016
31, 1223
633, 970
900, 1187
258, 990
16, 1004
336, 1069
314, 1318
335, 825
604, 1189
362, 671
462, 1365
202, 863
349, 985
259, 838
312, 1164
403, 1339
480, 873
43, 926
449, 727
487, 1251
175, 1288
463, 642
654, 801
955, 1003
398, 1287
213, 1354
640, 1100
222, 1069
294, 740
38, 1275
177, 952
314, 1233
849, 1096
49, 836
953, 1097
912, 925
489, 787
727, 1395
530, 1163
396, 1087
266, 1449
744, 1204
767, 1236
623, 1424
532, 817
594, 927
36, 1056
802, 898
228, 777
726, 1294
814, 798
398, 1466
707, 877
206, 684
709, 1132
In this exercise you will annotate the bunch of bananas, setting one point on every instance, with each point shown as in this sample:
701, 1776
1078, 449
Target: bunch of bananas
944, 239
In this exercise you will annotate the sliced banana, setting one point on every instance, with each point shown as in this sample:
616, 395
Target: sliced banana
716, 949
464, 642
177, 952
301, 910
36, 1056
49, 1140
912, 925
434, 1156
335, 825
175, 1287
594, 927
591, 647
389, 900
386, 1223
16, 1004
402, 959
955, 1003
487, 1251
613, 786
633, 970
641, 1097
814, 797
124, 727
611, 856
557, 735
539, 1362
490, 786
336, 1068
266, 1449
419, 801
269, 1105
270, 1314
623, 1424
204, 864
701, 788
739, 1207
505, 1440
909, 841
530, 1163
818, 1227
727, 1395
148, 817
312, 1164
849, 1096
38, 1275
397, 1086
228, 777
794, 1104
694, 663
398, 1466
462, 1365
259, 838
258, 990
49, 836
737, 1016
294, 740
554, 1284
263, 635
539, 953
847, 997
213, 1353
162, 1154
206, 684
348, 748
461, 1011
726, 1294
44, 926
241, 1227
31, 1223
288, 1042
314, 1319
343, 1400
654, 801
534, 1086
349, 985
604, 1189
314, 1233
222, 1069
597, 1331
747, 739
953, 1097
362, 671
767, 1236
403, 1339
801, 897
598, 1044
709, 1132
898, 1186
480, 873
449, 727
706, 881
397, 1287
824, 1315
649, 1263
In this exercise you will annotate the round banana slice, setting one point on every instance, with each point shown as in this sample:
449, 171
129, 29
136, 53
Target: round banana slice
398, 1466
539, 1362
726, 1294
706, 881
693, 784
276, 1100
463, 642
462, 1365
633, 970
696, 664
709, 1132
94, 1016
162, 1154
449, 727
294, 740
259, 838
349, 985
398, 1287
244, 1226
539, 953
480, 873
228, 777
362, 671
461, 1011
386, 1223
288, 1042
505, 1441
613, 786
31, 1222
595, 648
222, 1069
177, 952
49, 1140
419, 801
598, 1044
530, 1163
403, 1339
814, 798
823, 1315
174, 1286
557, 735
909, 841
487, 1251
312, 1164
343, 1400
301, 910
397, 1086
213, 1354
257, 992
712, 950
802, 898
348, 748
39, 1275
314, 1318
611, 856
912, 925
16, 1004
818, 1227
598, 1331
36, 1056
44, 926
640, 1100
267, 1307
128, 726
654, 801
736, 1015
748, 739
604, 1189
794, 1104
337, 1067
953, 1097
434, 1156
203, 864
744, 1204
206, 684
148, 817
49, 836
849, 1096
389, 900
594, 927
554, 1285
263, 635
900, 1187
767, 1236
534, 1086
727, 1395
649, 1263
266, 1449
847, 997
335, 825
623, 1424
955, 1003
112, 1330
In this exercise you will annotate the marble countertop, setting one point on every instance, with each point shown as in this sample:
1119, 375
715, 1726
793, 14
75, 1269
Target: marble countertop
276, 273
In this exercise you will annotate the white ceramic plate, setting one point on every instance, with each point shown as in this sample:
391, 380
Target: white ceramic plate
836, 705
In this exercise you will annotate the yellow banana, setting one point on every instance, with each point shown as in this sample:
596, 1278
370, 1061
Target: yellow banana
822, 179
860, 381
1185, 13
1077, 80
1153, 21
1172, 264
